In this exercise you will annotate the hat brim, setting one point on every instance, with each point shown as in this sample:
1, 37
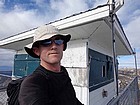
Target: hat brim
66, 38
30, 51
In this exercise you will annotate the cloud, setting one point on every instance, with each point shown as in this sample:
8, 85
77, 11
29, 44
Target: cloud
18, 20
6, 57
1, 5
99, 2
127, 11
133, 32
126, 61
14, 22
130, 18
129, 61
65, 8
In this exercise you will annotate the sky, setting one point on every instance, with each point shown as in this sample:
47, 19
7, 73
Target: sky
20, 15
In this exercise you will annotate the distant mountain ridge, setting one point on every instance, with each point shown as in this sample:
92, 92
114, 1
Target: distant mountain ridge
5, 68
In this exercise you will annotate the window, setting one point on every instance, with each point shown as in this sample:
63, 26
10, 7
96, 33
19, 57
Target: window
104, 71
101, 70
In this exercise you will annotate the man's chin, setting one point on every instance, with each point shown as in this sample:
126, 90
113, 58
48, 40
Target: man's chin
55, 61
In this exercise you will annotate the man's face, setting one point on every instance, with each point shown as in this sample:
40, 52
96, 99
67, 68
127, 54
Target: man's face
50, 53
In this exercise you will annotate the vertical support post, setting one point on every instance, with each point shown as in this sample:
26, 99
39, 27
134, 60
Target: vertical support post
112, 13
135, 57
136, 80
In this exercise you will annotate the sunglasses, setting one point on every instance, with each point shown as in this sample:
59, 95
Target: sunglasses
48, 42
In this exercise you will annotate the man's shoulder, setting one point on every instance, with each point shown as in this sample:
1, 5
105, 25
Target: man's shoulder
34, 78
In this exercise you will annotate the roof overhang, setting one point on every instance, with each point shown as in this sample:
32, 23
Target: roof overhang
80, 26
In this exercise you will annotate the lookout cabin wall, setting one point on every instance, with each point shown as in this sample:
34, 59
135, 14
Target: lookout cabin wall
101, 73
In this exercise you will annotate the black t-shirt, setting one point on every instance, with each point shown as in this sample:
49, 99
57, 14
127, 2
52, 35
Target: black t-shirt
44, 87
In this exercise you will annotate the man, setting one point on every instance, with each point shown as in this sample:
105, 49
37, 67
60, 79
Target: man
49, 84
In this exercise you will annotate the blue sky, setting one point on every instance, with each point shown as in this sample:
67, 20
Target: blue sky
20, 15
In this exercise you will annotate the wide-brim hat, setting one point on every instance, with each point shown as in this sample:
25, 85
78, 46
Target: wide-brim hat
45, 32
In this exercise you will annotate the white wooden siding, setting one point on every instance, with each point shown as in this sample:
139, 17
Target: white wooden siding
82, 93
75, 54
96, 98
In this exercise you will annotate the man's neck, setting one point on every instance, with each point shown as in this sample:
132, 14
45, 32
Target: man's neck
52, 67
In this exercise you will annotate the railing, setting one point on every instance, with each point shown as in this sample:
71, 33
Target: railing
129, 96
4, 80
3, 96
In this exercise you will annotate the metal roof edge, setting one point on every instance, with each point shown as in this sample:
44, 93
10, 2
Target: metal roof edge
82, 17
131, 50
79, 13
55, 21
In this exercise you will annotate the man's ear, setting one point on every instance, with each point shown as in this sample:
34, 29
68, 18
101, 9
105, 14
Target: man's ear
36, 51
